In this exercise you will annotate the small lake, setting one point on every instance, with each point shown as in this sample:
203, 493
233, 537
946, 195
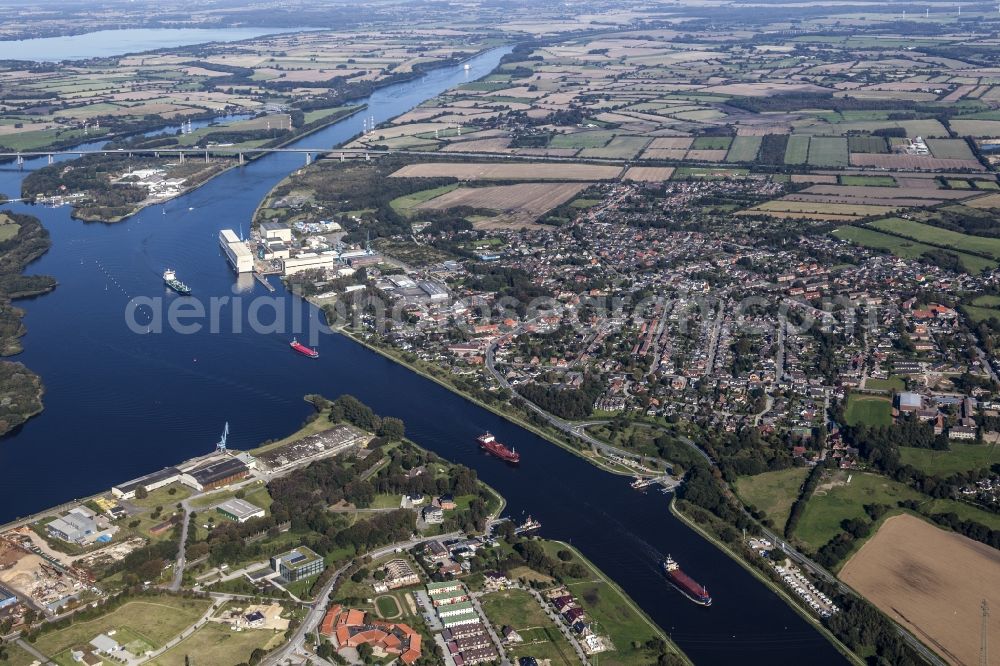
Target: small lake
106, 43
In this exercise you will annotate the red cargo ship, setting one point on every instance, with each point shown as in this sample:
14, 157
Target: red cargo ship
685, 584
489, 444
302, 349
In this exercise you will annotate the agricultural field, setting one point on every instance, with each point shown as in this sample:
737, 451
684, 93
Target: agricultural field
117, 94
517, 205
827, 151
868, 181
744, 149
903, 247
913, 570
938, 236
471, 171
648, 174
797, 151
773, 492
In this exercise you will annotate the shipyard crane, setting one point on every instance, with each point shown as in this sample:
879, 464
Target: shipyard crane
221, 445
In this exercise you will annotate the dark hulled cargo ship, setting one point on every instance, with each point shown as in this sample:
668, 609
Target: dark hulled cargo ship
489, 444
685, 584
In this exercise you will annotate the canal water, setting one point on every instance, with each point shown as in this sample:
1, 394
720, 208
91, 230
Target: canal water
119, 404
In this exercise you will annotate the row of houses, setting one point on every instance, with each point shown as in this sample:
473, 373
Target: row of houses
466, 636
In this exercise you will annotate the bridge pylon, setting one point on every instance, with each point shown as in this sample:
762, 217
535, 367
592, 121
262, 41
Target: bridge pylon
52, 159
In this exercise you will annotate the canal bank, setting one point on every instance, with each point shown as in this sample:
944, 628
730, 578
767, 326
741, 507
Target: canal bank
120, 404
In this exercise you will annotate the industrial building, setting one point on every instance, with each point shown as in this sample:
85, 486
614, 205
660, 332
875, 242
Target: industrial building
7, 598
308, 261
239, 510
237, 252
297, 564
216, 474
275, 231
149, 483
75, 527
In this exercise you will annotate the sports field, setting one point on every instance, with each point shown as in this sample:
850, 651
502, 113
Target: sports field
869, 410
931, 581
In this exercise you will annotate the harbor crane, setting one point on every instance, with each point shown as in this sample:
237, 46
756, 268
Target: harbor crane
221, 445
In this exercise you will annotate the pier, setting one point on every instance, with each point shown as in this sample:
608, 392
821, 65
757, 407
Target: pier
264, 281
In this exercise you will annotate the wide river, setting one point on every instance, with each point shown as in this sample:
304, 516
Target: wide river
106, 43
120, 404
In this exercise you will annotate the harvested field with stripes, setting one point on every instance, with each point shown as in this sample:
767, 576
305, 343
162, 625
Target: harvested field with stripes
518, 205
509, 171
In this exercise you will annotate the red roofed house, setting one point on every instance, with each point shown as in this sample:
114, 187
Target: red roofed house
350, 629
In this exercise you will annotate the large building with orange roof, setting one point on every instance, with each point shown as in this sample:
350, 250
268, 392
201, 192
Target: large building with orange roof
351, 628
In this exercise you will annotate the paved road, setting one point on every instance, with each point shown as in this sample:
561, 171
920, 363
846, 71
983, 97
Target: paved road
175, 584
30, 649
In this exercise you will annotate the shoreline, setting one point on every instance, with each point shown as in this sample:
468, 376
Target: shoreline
334, 118
597, 462
774, 587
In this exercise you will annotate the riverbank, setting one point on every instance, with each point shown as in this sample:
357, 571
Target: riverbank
24, 241
774, 587
627, 600
394, 356
85, 213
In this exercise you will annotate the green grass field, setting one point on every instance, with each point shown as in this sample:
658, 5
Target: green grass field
869, 410
708, 173
986, 184
829, 506
519, 609
932, 235
905, 248
406, 203
964, 511
744, 149
955, 149
869, 181
216, 644
978, 314
797, 151
591, 139
616, 615
867, 144
961, 458
620, 147
828, 151
155, 620
773, 492
894, 383
712, 143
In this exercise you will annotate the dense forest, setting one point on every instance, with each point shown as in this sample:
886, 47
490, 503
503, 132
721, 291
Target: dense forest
20, 389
